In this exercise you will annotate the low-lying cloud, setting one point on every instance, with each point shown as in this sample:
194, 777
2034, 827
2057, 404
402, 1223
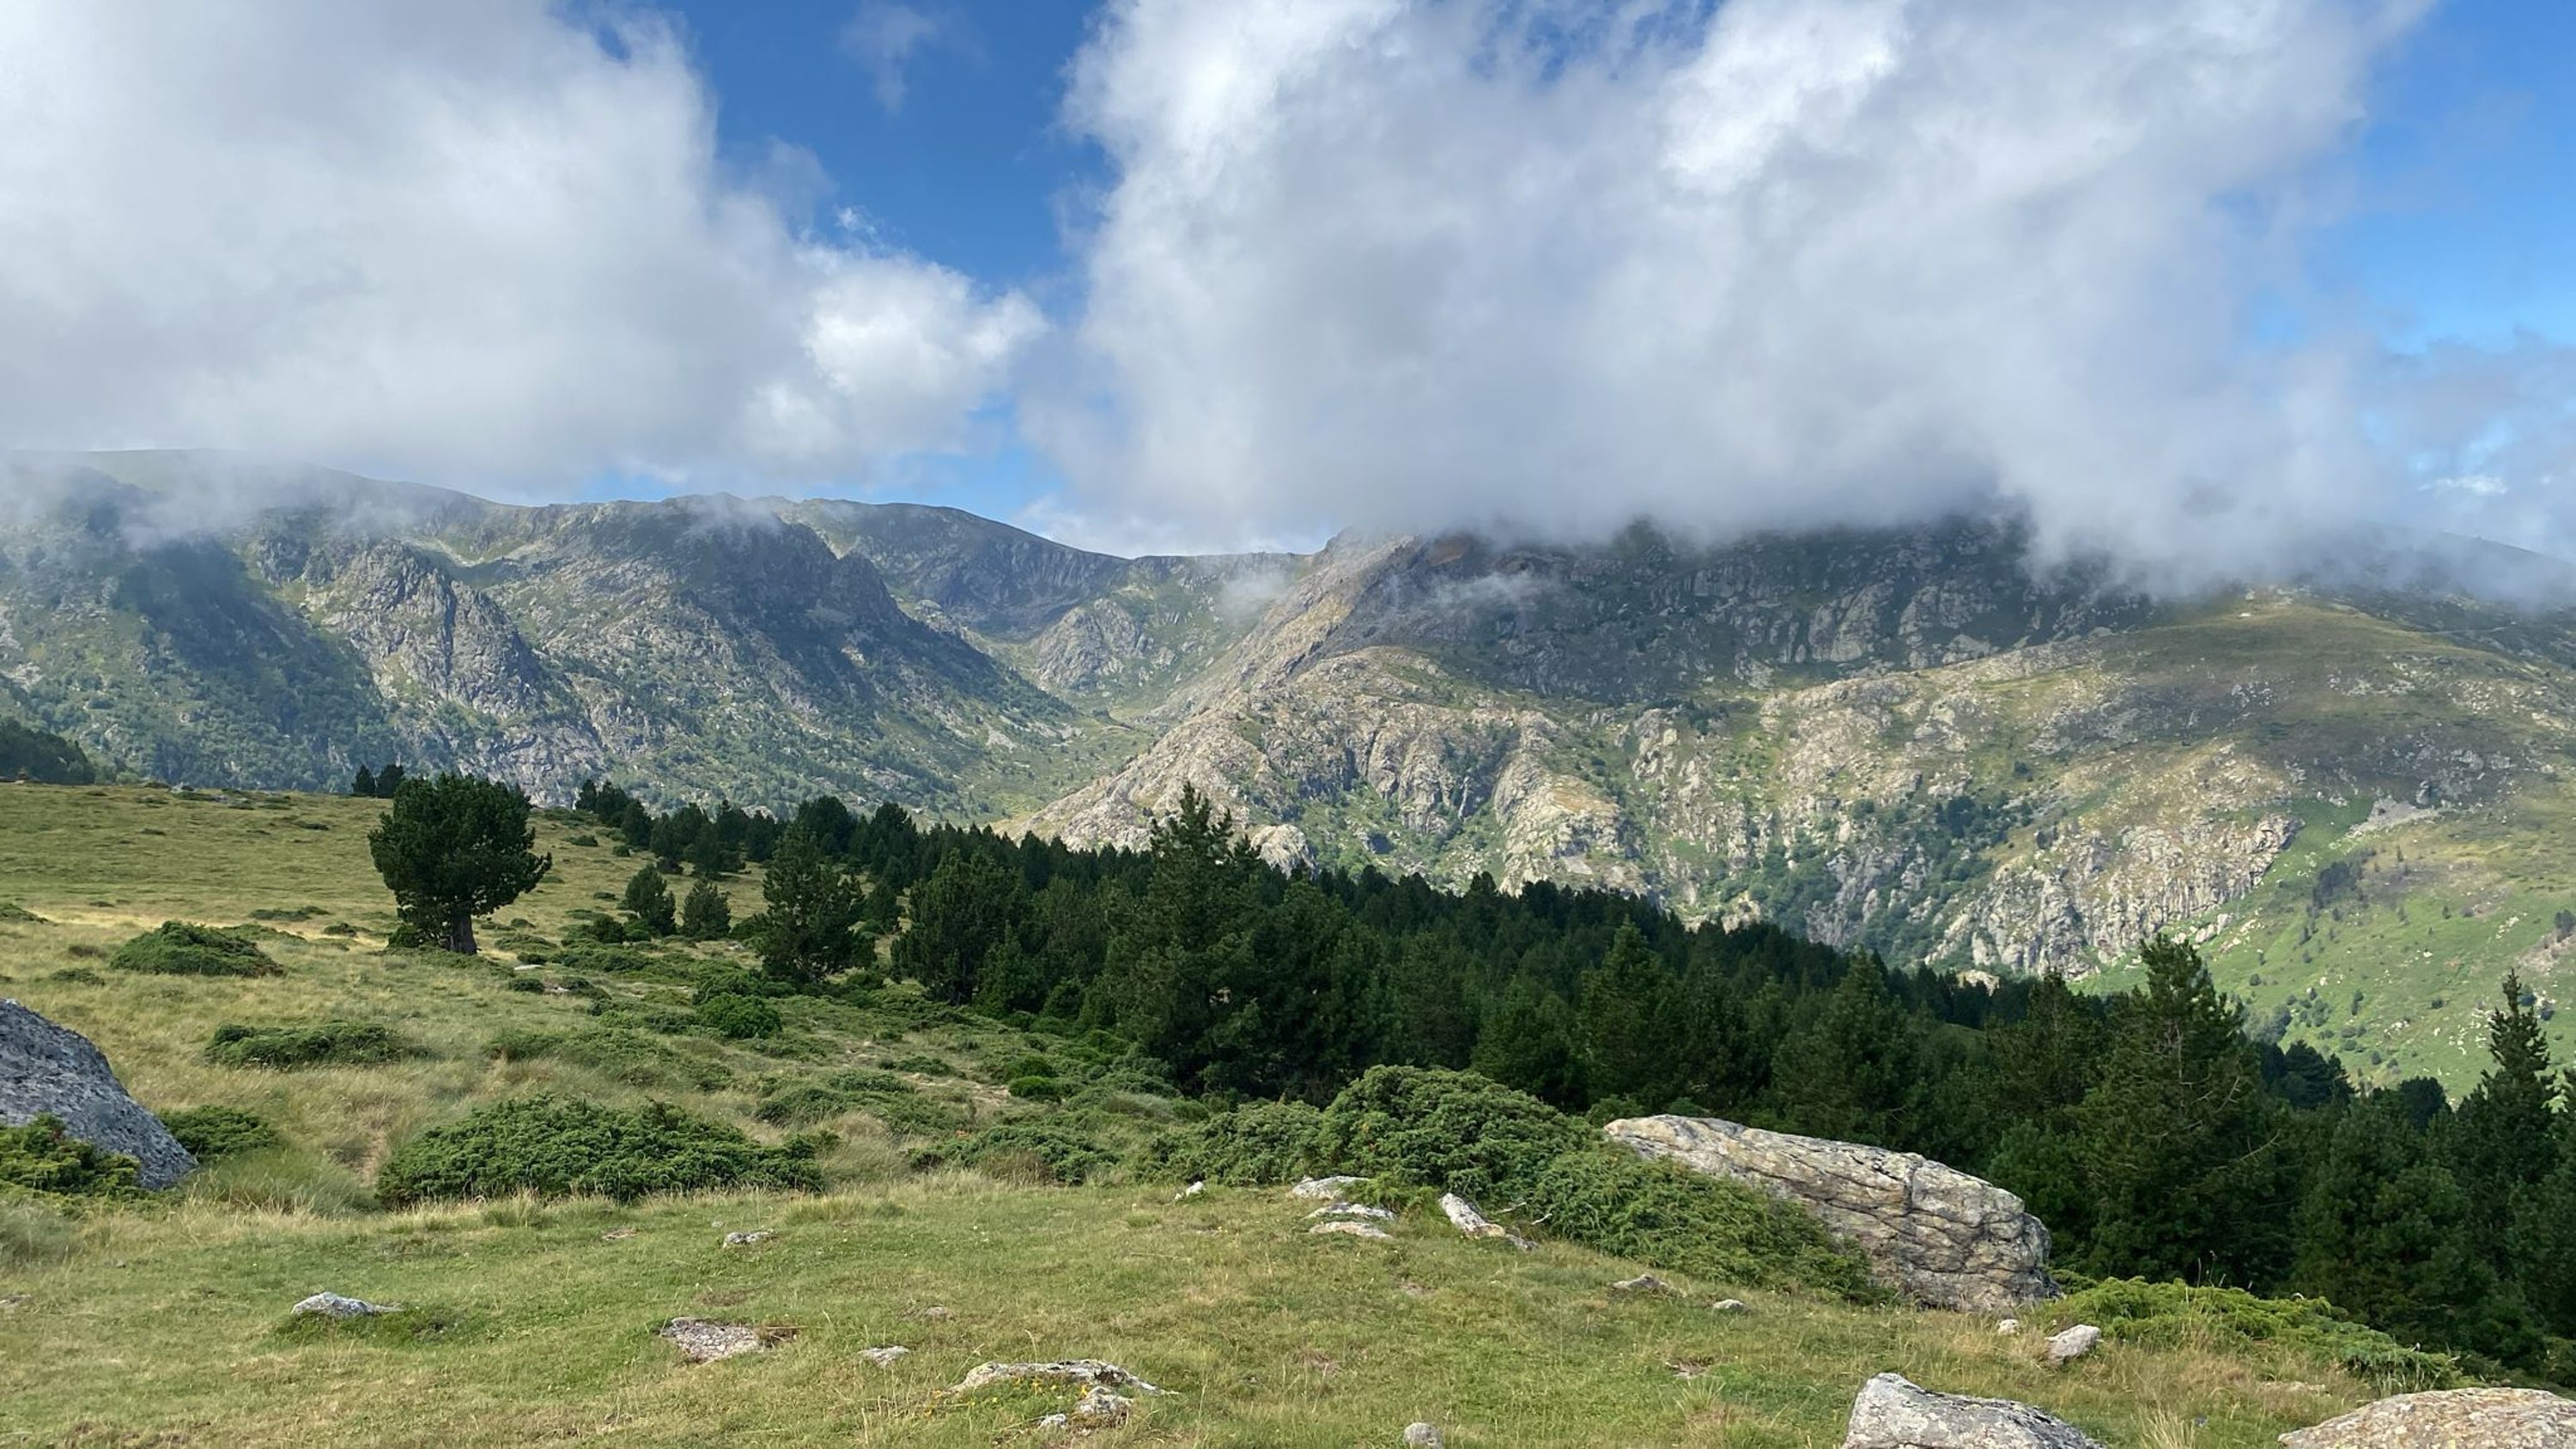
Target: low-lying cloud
475, 242
1425, 263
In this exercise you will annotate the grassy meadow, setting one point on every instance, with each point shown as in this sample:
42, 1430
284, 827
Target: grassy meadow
165, 1322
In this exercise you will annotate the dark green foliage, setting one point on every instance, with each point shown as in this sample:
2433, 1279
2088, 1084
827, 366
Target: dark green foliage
743, 1018
2135, 1310
961, 916
455, 848
1452, 1130
1058, 1147
1854, 1072
648, 900
890, 1099
413, 1323
2179, 1142
2503, 1142
212, 1133
1609, 1199
14, 914
1037, 1089
618, 1053
556, 1148
47, 759
705, 915
1626, 1028
39, 1158
177, 948
1254, 1145
810, 931
329, 1043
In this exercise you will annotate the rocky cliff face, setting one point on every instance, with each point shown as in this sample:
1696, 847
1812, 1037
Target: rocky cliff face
1916, 741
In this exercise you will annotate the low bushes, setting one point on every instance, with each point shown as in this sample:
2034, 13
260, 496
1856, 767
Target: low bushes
212, 1133
554, 1147
744, 1018
329, 1043
1055, 1148
2137, 1311
1262, 1143
890, 1099
1451, 1130
178, 948
39, 1158
617, 1053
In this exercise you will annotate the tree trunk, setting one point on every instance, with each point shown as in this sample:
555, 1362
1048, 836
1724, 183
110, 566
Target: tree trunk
460, 935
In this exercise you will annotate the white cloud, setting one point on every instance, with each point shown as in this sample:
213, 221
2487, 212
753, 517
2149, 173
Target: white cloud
471, 241
882, 37
1420, 263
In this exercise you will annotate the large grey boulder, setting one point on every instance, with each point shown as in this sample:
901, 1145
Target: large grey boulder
51, 1070
1933, 1233
1895, 1413
2450, 1419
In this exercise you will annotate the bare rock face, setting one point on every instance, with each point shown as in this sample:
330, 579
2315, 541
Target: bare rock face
1894, 1413
1941, 1237
2450, 1419
49, 1070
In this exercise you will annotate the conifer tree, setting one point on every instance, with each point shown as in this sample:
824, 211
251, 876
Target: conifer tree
1626, 1028
1527, 1042
2177, 1140
810, 931
454, 848
648, 900
2502, 1143
706, 915
961, 915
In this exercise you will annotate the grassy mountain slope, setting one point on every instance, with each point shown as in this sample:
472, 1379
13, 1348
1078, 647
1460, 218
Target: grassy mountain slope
138, 1324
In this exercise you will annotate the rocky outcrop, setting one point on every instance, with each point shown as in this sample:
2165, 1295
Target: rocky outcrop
1935, 1234
49, 1070
2449, 1419
1895, 1413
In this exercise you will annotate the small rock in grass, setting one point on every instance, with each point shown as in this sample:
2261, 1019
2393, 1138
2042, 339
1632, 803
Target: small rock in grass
2073, 1344
1895, 1413
745, 1240
1325, 1189
934, 1313
616, 1235
332, 1305
1353, 1210
1729, 1305
1642, 1283
1348, 1228
703, 1340
1425, 1436
1086, 1373
1686, 1369
1100, 1408
885, 1356
2008, 1327
1463, 1216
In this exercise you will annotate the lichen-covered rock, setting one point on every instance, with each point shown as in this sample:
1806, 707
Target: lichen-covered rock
1931, 1232
1325, 1189
1421, 1436
1084, 1373
1463, 1216
704, 1340
334, 1305
48, 1069
1893, 1412
2449, 1419
1348, 1228
2073, 1344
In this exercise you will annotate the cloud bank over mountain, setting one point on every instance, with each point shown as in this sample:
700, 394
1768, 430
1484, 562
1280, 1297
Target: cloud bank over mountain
1771, 262
473, 241
1388, 264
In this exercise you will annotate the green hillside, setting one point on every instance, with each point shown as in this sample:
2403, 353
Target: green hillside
132, 1324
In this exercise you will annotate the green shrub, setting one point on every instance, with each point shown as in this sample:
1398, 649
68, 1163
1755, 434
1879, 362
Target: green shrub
890, 1099
16, 914
212, 1133
926, 1066
1251, 1146
1608, 1199
2137, 1311
329, 1043
1055, 1148
1037, 1089
180, 949
40, 1158
731, 981
339, 928
616, 1053
1452, 1130
743, 1018
554, 1147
